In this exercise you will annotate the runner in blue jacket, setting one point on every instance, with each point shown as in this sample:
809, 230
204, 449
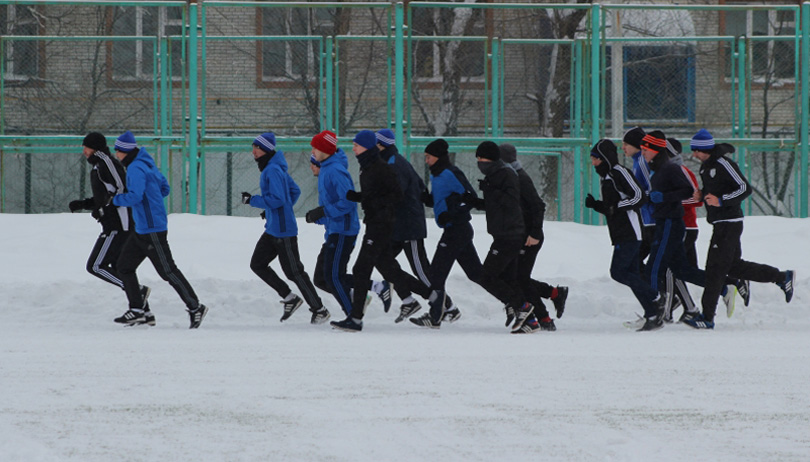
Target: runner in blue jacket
339, 217
280, 238
146, 188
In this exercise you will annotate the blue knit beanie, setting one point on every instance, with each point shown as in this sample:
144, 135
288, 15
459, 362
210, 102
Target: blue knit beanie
126, 142
266, 142
386, 137
365, 138
702, 141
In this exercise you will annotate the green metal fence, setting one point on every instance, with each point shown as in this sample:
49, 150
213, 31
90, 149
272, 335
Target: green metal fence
197, 81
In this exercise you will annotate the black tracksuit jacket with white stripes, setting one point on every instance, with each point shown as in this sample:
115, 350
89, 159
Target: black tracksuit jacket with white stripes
107, 178
722, 177
621, 199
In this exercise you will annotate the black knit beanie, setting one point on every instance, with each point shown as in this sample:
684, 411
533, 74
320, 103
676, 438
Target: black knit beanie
437, 148
488, 150
96, 141
633, 137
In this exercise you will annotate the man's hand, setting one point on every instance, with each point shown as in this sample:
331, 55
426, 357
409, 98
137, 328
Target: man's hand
246, 197
354, 196
712, 200
315, 214
590, 201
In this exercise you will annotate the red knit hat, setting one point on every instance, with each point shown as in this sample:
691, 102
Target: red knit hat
325, 142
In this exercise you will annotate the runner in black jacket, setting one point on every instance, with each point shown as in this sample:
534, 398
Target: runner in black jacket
622, 198
724, 189
379, 195
107, 178
534, 210
505, 223
410, 227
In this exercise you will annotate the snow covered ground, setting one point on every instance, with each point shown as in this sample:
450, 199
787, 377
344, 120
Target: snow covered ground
244, 387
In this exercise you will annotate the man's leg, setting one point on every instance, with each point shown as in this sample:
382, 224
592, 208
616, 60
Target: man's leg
290, 260
105, 253
338, 250
264, 253
132, 255
161, 256
722, 250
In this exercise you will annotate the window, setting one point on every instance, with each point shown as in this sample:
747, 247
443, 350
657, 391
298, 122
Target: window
132, 60
770, 60
428, 55
659, 83
293, 60
22, 59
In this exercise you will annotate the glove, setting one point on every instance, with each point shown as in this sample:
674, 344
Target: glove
656, 197
443, 218
76, 205
315, 214
473, 201
590, 201
263, 215
354, 196
427, 198
246, 197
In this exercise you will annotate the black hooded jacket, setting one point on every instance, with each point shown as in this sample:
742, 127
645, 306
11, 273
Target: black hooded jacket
621, 195
721, 177
380, 191
410, 223
502, 200
533, 207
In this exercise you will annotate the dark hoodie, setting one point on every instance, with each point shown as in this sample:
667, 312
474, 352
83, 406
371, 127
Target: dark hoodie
410, 221
380, 192
621, 195
501, 190
722, 177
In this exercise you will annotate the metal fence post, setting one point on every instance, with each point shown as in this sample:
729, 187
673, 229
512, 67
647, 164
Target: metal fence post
804, 127
193, 110
399, 76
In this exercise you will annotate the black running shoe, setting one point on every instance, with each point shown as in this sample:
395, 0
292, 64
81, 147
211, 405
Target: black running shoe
385, 295
196, 316
320, 316
290, 307
451, 315
529, 327
131, 318
559, 300
546, 324
149, 317
744, 289
787, 285
407, 310
426, 320
510, 314
699, 322
651, 324
522, 315
348, 325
